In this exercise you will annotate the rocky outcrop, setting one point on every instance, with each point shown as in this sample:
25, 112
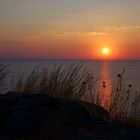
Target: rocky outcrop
24, 117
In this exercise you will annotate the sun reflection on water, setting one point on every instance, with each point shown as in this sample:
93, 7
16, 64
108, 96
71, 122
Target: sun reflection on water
104, 87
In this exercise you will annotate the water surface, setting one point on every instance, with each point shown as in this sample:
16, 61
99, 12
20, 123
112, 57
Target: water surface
105, 70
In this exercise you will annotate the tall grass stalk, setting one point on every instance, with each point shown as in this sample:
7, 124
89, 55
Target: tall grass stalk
123, 103
70, 82
3, 74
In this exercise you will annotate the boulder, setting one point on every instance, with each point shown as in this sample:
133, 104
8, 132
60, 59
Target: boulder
24, 115
40, 117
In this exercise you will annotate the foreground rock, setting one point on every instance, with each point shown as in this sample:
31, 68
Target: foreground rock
41, 117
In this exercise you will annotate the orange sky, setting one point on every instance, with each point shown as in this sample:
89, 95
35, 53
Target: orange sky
70, 29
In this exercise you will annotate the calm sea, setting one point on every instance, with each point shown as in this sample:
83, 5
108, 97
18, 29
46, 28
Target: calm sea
105, 70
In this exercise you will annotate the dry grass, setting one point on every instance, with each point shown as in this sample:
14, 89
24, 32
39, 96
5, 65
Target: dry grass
71, 82
3, 75
123, 104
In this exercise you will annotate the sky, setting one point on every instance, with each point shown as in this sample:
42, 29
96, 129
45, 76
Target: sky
70, 29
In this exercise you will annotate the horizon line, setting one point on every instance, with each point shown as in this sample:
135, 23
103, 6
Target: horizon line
69, 59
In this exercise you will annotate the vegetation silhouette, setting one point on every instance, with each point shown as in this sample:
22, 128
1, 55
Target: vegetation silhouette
72, 82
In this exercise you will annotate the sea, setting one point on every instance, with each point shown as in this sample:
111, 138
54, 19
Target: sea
103, 70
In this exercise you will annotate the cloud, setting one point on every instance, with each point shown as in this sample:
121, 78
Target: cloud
127, 28
11, 42
65, 34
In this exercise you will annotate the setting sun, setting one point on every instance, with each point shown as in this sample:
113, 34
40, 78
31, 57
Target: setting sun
105, 51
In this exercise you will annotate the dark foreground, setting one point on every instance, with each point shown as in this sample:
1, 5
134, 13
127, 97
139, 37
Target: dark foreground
41, 117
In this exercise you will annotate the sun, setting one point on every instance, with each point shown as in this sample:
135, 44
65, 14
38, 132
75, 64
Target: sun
105, 51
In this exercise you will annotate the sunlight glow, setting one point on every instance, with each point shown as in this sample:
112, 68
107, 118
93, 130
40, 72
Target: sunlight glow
105, 51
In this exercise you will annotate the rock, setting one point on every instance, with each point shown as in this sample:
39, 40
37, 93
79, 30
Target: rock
40, 117
95, 110
24, 114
